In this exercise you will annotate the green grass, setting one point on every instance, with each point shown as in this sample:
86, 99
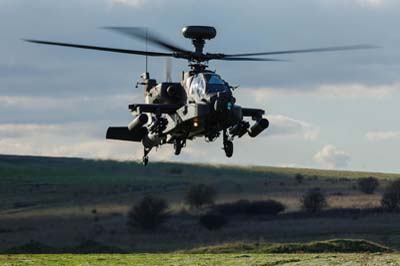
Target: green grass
334, 245
202, 259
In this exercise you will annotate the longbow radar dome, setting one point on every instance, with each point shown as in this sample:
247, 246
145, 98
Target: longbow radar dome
199, 32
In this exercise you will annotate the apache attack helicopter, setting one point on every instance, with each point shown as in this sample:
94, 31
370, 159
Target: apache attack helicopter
200, 105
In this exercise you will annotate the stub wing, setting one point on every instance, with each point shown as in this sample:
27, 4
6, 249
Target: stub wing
123, 133
252, 112
155, 108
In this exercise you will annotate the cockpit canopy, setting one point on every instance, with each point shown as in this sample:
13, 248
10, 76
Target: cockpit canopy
202, 84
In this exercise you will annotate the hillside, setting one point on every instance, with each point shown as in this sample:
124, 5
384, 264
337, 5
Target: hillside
64, 201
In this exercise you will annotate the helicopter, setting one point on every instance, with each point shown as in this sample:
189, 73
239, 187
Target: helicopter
201, 104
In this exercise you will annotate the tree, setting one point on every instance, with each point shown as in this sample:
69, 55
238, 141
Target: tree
314, 200
200, 195
391, 197
368, 185
299, 178
148, 213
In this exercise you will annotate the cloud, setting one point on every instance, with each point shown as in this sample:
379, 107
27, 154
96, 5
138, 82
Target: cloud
49, 109
136, 3
363, 3
44, 102
383, 135
373, 3
331, 157
333, 91
284, 126
357, 91
87, 140
74, 139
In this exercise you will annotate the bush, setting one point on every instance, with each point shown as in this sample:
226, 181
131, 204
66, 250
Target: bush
213, 221
148, 213
314, 200
299, 178
391, 197
245, 207
200, 195
368, 185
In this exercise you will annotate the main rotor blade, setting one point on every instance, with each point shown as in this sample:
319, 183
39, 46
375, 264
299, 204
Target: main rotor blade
146, 35
250, 59
325, 49
106, 49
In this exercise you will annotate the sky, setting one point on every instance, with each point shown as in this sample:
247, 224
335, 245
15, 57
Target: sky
327, 110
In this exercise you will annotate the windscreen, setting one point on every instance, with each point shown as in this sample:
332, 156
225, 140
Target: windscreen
215, 83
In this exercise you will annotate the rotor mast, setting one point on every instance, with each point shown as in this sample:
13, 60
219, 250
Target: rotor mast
198, 35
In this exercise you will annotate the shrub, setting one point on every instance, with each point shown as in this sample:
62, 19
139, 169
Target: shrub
148, 213
245, 207
299, 178
368, 185
314, 200
32, 247
213, 221
200, 195
91, 246
391, 197
325, 246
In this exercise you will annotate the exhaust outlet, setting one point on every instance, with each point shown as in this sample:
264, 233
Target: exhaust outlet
258, 127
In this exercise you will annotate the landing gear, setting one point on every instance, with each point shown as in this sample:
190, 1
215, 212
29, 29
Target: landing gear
145, 159
178, 144
228, 145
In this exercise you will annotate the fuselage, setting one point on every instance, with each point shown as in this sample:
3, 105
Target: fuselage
208, 101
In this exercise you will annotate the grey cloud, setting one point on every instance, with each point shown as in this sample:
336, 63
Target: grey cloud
312, 23
283, 126
59, 110
331, 157
61, 74
21, 71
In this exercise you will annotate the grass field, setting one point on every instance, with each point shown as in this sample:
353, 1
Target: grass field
202, 260
60, 203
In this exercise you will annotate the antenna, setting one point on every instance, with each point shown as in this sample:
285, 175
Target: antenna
168, 69
147, 37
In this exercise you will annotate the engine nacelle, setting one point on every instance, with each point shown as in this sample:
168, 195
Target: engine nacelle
167, 93
138, 122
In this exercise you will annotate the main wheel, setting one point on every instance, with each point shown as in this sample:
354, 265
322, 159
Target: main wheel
228, 148
177, 146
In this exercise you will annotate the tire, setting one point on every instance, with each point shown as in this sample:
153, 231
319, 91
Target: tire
177, 146
228, 148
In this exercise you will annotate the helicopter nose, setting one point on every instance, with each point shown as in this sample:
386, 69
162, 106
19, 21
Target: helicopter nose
224, 102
